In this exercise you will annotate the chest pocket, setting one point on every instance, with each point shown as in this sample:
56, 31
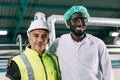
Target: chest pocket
53, 73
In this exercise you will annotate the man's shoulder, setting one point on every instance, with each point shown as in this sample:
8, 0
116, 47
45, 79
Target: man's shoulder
90, 36
95, 39
64, 35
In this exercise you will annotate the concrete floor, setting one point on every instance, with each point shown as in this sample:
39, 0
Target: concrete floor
2, 75
116, 71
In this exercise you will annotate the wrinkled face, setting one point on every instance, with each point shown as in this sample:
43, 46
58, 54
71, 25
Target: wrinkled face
38, 40
77, 23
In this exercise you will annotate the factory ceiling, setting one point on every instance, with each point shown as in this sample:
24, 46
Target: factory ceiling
16, 15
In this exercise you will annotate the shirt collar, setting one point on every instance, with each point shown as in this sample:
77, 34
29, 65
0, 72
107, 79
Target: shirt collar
28, 50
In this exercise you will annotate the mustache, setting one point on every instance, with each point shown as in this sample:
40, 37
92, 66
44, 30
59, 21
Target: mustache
78, 33
79, 26
39, 43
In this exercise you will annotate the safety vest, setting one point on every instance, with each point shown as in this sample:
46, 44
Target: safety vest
32, 67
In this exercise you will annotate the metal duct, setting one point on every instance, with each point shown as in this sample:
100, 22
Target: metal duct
104, 22
51, 23
53, 19
19, 42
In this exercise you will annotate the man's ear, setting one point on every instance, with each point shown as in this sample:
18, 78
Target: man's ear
68, 22
86, 22
29, 39
48, 40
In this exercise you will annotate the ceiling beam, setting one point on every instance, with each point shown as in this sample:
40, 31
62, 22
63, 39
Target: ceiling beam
9, 4
20, 15
14, 18
67, 7
58, 7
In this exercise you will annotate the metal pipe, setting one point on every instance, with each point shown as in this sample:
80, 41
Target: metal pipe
109, 22
95, 21
19, 41
51, 23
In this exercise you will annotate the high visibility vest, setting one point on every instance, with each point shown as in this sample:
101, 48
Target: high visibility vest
32, 67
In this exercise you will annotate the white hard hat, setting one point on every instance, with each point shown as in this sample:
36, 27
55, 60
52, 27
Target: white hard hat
37, 24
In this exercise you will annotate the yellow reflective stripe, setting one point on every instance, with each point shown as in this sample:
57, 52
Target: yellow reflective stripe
28, 67
21, 66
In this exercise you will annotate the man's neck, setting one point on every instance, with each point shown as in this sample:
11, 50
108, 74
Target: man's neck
78, 38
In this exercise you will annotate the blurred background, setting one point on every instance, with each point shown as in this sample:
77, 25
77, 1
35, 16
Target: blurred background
16, 15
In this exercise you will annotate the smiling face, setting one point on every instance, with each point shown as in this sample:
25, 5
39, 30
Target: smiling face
38, 40
77, 23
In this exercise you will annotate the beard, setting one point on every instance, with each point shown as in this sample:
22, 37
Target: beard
78, 33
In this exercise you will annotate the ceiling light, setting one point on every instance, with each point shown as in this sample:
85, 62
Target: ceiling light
114, 34
3, 32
